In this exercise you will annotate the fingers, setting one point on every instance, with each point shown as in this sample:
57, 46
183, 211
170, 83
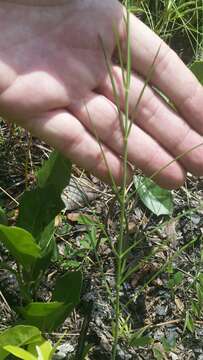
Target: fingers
64, 132
170, 75
155, 117
100, 115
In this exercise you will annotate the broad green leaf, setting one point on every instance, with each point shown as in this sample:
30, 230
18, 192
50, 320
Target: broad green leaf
3, 218
156, 199
197, 69
39, 207
18, 336
55, 171
47, 244
46, 316
42, 351
46, 239
20, 353
21, 245
67, 288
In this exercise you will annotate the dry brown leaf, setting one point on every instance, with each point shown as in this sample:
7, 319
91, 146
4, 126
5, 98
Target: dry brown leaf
170, 230
74, 216
132, 227
58, 221
179, 304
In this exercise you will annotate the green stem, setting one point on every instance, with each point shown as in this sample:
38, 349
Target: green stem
120, 246
24, 287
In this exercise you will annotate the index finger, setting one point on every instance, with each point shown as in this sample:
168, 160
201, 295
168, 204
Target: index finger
170, 75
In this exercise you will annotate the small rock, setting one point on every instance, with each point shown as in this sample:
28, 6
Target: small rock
63, 351
79, 193
158, 334
199, 332
98, 321
123, 355
59, 356
111, 281
173, 356
179, 304
195, 219
161, 310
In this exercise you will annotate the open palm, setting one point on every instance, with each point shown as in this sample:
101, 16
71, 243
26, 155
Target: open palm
54, 82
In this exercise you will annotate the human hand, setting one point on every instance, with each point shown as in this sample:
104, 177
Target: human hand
53, 79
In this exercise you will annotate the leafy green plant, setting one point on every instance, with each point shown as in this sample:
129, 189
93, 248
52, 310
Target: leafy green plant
25, 342
39, 207
166, 18
32, 246
48, 316
32, 242
41, 351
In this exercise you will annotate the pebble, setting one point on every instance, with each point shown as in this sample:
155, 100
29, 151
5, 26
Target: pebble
63, 351
199, 332
173, 356
98, 321
60, 356
161, 310
122, 355
111, 281
158, 334
171, 336
195, 219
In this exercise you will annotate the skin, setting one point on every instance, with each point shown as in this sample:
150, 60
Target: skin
54, 82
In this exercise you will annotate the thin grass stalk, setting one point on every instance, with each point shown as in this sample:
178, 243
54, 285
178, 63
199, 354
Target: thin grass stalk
126, 126
120, 260
115, 93
148, 78
120, 244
